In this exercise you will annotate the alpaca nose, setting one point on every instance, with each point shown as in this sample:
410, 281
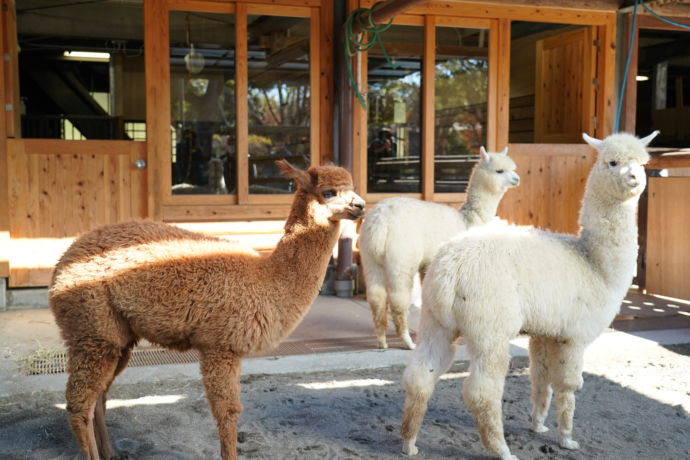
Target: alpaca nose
358, 203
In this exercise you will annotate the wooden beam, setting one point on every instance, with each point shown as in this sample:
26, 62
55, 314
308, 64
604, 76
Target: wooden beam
4, 180
315, 85
428, 105
498, 134
11, 85
628, 114
157, 78
241, 103
326, 82
606, 107
85, 147
575, 14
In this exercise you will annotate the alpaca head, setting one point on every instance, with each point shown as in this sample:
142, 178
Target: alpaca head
495, 171
330, 188
619, 168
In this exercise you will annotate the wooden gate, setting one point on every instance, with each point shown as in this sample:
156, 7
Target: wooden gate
552, 184
668, 244
59, 189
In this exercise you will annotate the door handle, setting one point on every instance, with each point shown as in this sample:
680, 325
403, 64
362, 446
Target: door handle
140, 163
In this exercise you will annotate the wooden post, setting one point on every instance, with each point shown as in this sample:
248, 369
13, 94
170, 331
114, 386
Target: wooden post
4, 180
428, 103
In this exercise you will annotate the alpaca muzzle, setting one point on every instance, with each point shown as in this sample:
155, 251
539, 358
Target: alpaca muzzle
515, 180
356, 207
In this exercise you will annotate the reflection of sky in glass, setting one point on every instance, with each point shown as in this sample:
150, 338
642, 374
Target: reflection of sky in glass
413, 78
273, 91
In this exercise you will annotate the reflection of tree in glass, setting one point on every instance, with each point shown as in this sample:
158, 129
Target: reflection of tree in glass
383, 95
461, 102
228, 103
281, 105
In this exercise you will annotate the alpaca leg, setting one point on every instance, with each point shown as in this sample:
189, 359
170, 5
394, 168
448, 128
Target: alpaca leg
541, 388
483, 392
90, 373
428, 362
400, 296
567, 362
377, 296
221, 376
105, 448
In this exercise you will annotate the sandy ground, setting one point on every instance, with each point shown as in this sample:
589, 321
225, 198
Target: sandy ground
634, 405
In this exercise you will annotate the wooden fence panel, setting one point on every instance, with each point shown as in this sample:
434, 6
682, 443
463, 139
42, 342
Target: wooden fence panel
668, 238
60, 189
552, 182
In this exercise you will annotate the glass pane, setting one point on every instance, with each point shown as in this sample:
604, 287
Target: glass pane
81, 69
279, 100
546, 106
202, 102
394, 115
462, 77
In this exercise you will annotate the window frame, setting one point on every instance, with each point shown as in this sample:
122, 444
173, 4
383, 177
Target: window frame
163, 205
429, 23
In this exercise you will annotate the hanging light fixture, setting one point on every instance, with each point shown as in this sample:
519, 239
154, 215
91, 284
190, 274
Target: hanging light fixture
193, 61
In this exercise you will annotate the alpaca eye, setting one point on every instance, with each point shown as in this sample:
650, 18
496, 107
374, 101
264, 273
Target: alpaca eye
613, 163
328, 194
499, 171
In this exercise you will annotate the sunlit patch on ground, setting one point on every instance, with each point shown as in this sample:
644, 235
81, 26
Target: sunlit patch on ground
143, 401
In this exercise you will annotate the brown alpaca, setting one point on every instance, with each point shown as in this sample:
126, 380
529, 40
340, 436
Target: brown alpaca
182, 290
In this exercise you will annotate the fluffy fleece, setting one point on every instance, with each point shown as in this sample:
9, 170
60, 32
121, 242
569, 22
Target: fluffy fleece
562, 290
182, 290
400, 236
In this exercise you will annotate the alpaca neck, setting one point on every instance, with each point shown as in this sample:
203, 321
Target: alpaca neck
609, 235
300, 259
481, 205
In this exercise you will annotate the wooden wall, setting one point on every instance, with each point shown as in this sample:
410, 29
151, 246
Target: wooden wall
668, 238
552, 182
59, 189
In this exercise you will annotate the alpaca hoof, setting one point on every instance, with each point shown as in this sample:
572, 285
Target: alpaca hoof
409, 448
410, 346
540, 428
569, 444
506, 455
407, 340
382, 345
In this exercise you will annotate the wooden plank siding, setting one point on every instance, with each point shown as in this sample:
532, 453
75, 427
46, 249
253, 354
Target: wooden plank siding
668, 243
60, 189
552, 183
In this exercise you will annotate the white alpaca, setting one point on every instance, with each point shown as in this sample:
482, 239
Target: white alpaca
400, 236
563, 290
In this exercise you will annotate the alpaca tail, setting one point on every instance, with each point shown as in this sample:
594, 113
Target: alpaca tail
373, 237
440, 289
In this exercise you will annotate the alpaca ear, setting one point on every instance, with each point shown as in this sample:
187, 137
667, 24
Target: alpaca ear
646, 140
483, 156
301, 178
504, 151
596, 143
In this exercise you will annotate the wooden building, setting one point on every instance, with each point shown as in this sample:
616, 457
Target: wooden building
175, 110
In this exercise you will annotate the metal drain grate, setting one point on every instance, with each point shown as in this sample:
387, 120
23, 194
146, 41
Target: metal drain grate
56, 362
